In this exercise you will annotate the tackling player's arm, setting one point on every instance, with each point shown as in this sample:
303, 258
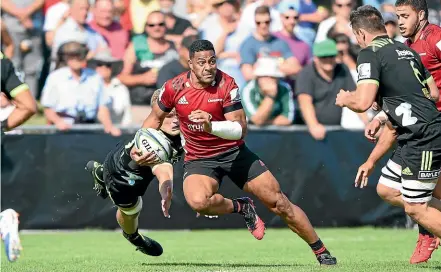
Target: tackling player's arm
363, 97
385, 142
164, 173
14, 88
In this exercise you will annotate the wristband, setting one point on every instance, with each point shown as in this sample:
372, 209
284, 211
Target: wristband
228, 130
382, 117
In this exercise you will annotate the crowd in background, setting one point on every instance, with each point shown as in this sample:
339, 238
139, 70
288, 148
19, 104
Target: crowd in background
100, 61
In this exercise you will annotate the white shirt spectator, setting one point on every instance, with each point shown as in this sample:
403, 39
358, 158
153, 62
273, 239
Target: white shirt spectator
70, 97
248, 23
53, 16
324, 28
120, 106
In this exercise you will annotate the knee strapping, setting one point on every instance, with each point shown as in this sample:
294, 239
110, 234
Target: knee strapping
133, 210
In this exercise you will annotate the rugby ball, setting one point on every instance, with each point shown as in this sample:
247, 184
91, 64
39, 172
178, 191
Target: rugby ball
152, 140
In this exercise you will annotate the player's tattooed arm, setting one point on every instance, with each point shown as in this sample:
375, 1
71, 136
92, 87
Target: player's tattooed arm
359, 100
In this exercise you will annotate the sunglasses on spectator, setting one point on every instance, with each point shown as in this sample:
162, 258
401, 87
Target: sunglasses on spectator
100, 64
158, 24
263, 22
292, 17
344, 5
76, 55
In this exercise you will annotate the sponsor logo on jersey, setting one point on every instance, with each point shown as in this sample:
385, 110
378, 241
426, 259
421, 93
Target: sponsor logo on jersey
404, 53
211, 100
182, 101
364, 71
425, 175
196, 127
406, 171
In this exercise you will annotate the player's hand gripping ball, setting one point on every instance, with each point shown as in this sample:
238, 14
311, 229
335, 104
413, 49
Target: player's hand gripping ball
153, 142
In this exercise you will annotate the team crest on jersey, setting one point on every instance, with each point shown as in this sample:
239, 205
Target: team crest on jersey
364, 71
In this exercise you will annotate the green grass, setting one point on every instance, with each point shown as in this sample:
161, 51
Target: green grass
360, 249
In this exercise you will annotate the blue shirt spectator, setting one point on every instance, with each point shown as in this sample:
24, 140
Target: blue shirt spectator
74, 99
252, 49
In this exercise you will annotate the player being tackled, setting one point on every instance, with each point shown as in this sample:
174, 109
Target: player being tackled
409, 116
126, 182
213, 125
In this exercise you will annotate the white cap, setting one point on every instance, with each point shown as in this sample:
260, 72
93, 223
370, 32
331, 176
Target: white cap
269, 67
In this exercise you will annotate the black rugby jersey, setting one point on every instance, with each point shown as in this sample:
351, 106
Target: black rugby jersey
402, 80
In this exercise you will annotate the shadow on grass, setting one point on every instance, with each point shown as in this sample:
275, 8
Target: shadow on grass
230, 265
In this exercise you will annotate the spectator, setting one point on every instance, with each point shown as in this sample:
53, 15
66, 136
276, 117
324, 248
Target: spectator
379, 4
340, 21
220, 28
309, 16
56, 15
289, 18
177, 27
347, 52
197, 11
117, 38
24, 21
120, 106
144, 57
263, 44
73, 94
7, 42
76, 23
247, 20
176, 66
317, 86
267, 100
135, 14
391, 23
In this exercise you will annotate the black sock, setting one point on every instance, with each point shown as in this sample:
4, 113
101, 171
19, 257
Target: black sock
423, 231
318, 247
131, 236
236, 206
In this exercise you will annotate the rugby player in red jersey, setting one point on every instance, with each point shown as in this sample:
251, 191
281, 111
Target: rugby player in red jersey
213, 125
425, 39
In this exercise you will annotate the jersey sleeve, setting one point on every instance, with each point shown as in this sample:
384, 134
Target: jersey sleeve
232, 100
368, 67
166, 97
436, 43
12, 85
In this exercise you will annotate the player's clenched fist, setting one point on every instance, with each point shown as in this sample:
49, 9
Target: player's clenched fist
341, 98
371, 130
199, 116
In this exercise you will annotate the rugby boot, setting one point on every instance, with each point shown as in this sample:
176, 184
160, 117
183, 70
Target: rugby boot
424, 248
254, 224
96, 170
325, 258
9, 233
144, 244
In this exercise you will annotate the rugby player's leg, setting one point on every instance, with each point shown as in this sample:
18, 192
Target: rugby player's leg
249, 173
200, 192
389, 189
267, 189
128, 200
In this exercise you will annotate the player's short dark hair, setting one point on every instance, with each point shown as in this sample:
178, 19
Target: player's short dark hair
199, 46
417, 5
262, 10
368, 18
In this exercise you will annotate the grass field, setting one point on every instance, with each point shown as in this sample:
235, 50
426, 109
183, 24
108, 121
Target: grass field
361, 249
